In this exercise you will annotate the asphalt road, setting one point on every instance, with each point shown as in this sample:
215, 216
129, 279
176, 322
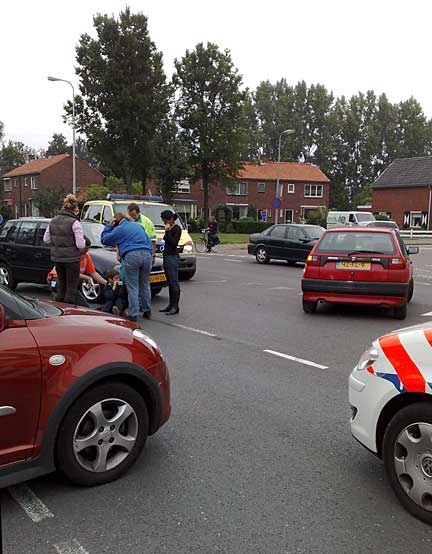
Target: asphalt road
257, 456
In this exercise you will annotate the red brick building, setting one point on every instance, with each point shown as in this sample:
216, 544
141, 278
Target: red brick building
403, 192
20, 184
302, 187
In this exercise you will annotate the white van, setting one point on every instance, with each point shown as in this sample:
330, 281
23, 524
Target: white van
348, 219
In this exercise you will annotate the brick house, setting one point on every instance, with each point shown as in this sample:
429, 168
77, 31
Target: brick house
20, 184
303, 187
403, 192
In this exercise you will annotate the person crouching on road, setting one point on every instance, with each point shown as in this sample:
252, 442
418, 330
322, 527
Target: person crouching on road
135, 250
66, 238
171, 260
116, 301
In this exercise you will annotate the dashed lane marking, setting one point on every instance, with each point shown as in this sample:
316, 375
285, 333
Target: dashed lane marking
281, 288
30, 503
200, 331
424, 284
295, 359
427, 314
252, 283
232, 260
70, 547
210, 282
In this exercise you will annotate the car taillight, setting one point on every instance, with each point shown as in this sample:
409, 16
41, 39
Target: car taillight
313, 260
397, 263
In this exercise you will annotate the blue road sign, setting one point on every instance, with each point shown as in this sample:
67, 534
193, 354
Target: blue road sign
276, 202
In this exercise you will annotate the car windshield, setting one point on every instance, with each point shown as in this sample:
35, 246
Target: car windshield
365, 217
93, 232
152, 211
351, 242
314, 232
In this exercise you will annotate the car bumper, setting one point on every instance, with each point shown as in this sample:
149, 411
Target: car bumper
368, 395
251, 249
187, 263
158, 279
357, 292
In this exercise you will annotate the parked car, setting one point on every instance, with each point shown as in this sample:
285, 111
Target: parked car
391, 401
348, 219
25, 258
384, 224
80, 391
359, 266
291, 242
102, 211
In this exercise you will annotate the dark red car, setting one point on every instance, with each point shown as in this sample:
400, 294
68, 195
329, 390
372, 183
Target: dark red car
80, 391
359, 265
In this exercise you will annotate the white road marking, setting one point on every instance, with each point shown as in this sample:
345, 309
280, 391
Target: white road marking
427, 314
210, 282
235, 256
425, 284
70, 547
252, 283
194, 330
30, 503
231, 260
281, 288
295, 359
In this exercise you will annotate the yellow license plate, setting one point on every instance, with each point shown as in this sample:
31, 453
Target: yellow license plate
157, 278
353, 265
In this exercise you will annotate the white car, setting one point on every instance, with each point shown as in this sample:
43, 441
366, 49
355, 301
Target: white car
390, 392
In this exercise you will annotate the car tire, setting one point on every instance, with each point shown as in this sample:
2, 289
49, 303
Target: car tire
408, 459
400, 312
309, 306
186, 275
154, 292
261, 255
6, 277
93, 294
291, 262
92, 418
410, 290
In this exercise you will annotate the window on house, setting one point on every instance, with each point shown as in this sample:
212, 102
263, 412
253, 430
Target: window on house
238, 211
291, 188
239, 189
416, 219
7, 185
313, 191
25, 182
261, 187
183, 187
33, 183
280, 191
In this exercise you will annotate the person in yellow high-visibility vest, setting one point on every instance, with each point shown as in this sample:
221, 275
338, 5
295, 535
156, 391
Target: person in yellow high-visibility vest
149, 228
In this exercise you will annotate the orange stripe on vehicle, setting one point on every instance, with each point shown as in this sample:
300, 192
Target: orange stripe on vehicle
408, 372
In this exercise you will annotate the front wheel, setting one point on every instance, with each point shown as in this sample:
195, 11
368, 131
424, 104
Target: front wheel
91, 291
261, 255
155, 291
102, 434
408, 458
6, 277
201, 246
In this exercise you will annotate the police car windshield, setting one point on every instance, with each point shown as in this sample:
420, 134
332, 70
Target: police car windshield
349, 242
152, 211
93, 232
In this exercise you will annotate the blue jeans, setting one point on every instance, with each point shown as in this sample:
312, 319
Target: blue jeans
138, 264
171, 267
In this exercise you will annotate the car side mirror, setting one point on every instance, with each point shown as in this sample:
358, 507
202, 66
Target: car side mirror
413, 250
2, 319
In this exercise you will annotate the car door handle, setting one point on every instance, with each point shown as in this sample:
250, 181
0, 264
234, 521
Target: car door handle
7, 410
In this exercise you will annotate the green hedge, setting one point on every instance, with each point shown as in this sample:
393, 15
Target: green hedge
249, 227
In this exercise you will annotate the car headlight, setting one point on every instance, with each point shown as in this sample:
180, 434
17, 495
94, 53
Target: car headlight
139, 334
188, 248
368, 358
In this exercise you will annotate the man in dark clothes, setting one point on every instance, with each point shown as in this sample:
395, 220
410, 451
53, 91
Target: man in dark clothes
213, 239
171, 260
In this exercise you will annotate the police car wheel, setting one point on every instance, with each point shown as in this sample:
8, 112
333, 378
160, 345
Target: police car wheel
407, 454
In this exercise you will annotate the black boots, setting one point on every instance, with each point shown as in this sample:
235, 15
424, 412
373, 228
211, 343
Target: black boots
175, 303
170, 303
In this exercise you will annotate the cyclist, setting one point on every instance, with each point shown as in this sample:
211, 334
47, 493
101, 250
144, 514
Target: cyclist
212, 238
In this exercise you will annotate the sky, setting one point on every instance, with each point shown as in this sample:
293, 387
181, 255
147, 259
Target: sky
346, 45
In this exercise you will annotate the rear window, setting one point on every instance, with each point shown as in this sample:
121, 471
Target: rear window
314, 232
350, 242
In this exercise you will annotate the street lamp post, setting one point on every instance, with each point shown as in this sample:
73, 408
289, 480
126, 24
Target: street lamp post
73, 132
286, 132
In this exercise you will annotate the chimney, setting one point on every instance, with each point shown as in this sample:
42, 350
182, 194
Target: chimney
263, 159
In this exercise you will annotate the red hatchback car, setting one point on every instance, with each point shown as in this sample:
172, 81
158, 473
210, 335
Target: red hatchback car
80, 391
359, 265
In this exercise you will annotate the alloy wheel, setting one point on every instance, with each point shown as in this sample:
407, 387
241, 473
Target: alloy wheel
105, 435
90, 290
261, 255
413, 463
4, 276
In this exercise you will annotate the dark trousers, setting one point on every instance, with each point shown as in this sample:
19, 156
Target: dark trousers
171, 267
68, 279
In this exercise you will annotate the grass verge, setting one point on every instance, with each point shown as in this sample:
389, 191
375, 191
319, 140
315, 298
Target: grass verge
227, 238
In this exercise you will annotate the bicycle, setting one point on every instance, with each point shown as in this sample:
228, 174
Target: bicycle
202, 244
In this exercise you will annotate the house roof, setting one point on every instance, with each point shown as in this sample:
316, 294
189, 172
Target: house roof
36, 166
288, 171
406, 172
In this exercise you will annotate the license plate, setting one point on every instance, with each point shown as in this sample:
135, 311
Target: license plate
157, 278
353, 265
53, 284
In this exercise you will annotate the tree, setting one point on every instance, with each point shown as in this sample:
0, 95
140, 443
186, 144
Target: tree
1, 131
58, 144
14, 154
211, 115
96, 192
49, 200
123, 94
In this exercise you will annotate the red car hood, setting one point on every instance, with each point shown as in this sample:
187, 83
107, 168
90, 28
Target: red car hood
71, 310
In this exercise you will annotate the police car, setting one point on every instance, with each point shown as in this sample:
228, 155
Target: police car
390, 392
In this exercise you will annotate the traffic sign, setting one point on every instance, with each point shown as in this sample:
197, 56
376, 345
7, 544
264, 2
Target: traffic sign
276, 202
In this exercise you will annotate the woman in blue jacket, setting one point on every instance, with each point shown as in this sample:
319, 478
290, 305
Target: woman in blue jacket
136, 251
